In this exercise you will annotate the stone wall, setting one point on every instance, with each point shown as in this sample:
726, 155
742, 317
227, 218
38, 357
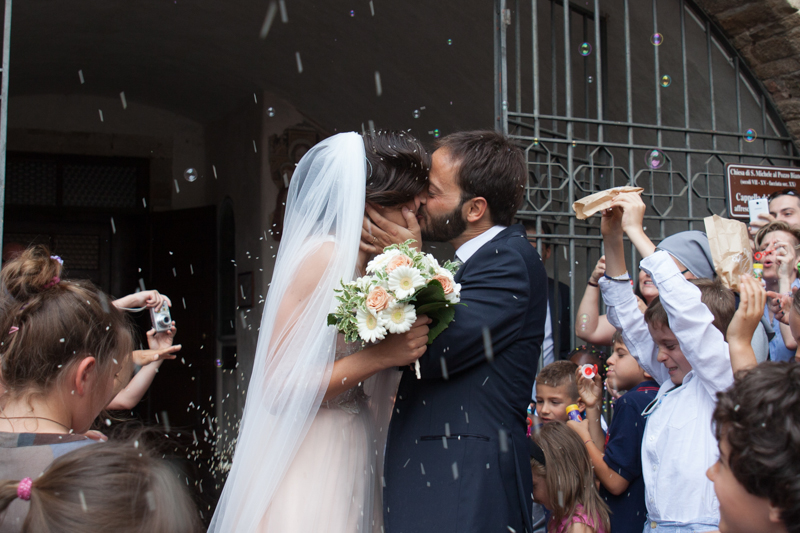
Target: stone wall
767, 35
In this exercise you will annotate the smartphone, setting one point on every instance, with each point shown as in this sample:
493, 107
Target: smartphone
757, 207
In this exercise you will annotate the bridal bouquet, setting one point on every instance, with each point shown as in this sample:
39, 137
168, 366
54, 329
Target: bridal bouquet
400, 283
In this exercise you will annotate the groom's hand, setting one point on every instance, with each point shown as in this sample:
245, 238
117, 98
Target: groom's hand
377, 232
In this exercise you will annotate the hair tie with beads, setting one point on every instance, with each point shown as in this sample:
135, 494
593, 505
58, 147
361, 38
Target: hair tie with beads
24, 489
56, 258
53, 282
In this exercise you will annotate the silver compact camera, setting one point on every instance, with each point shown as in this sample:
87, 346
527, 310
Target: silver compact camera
162, 320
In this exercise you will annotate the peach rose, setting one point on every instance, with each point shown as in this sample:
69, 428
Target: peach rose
398, 261
447, 285
378, 299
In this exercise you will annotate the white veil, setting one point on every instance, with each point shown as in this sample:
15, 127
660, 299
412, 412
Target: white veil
296, 348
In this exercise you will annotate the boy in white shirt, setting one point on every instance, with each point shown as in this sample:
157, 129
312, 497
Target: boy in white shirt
680, 342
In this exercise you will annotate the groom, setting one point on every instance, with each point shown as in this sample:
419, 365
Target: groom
457, 459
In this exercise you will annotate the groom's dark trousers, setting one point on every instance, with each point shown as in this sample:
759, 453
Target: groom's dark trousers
457, 459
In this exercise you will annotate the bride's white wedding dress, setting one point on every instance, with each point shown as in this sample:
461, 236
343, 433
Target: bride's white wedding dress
334, 483
301, 464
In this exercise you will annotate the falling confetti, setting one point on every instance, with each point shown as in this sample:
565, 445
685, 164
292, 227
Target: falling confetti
487, 345
271, 12
284, 14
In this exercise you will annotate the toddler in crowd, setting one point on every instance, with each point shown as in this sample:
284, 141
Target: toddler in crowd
118, 487
680, 342
757, 476
65, 354
618, 465
563, 482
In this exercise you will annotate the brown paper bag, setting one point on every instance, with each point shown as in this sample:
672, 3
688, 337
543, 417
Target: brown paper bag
589, 205
730, 249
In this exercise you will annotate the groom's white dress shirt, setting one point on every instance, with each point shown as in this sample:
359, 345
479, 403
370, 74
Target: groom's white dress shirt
469, 248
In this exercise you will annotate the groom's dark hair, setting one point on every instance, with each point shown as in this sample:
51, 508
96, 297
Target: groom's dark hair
489, 165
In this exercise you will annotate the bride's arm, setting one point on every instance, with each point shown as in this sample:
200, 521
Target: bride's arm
396, 350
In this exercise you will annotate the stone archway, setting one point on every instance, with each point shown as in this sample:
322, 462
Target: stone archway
767, 35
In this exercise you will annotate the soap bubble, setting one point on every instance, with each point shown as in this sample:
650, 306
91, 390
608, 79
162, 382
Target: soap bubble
436, 133
449, 41
190, 175
352, 13
415, 114
750, 135
271, 111
656, 39
591, 79
655, 159
666, 81
586, 49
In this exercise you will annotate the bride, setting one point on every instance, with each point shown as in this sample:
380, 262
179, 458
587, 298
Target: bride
309, 455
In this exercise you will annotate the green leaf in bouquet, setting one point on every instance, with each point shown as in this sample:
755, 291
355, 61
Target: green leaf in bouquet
441, 319
332, 320
432, 292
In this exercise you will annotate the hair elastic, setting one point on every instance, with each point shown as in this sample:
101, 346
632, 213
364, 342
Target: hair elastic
53, 282
13, 329
56, 258
24, 488
537, 453
370, 167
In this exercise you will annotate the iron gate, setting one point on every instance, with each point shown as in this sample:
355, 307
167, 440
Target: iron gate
591, 91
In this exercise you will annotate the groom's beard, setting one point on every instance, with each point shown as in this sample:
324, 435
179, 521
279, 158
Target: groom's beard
443, 228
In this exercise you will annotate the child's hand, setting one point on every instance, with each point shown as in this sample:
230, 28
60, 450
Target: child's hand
144, 357
162, 339
581, 428
611, 222
780, 305
633, 209
591, 390
752, 299
599, 270
785, 260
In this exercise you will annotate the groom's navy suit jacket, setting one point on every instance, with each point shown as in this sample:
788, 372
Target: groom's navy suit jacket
457, 459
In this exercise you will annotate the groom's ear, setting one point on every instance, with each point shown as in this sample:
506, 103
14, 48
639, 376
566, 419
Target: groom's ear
476, 209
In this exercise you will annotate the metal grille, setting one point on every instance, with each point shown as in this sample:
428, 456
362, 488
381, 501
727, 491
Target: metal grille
587, 98
27, 239
89, 185
79, 252
31, 182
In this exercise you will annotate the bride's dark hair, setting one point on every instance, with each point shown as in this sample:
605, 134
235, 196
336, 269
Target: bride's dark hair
397, 167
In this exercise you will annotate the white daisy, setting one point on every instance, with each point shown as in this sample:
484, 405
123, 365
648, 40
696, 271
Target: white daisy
404, 281
400, 318
380, 261
371, 328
